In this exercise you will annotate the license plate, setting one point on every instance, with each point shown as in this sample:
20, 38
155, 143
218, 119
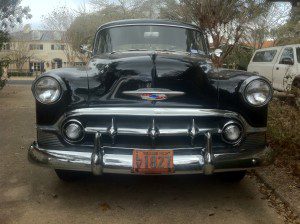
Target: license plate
153, 161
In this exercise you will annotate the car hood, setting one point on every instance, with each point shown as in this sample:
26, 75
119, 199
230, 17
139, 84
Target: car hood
111, 77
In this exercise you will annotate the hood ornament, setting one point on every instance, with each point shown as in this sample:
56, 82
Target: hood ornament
153, 94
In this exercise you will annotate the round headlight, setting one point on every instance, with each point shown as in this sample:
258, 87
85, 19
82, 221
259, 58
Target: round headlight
73, 131
232, 132
47, 90
258, 92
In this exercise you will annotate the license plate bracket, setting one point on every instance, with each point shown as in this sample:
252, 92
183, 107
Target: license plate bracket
153, 161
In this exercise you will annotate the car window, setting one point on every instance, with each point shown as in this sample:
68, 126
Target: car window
298, 54
150, 37
287, 53
264, 56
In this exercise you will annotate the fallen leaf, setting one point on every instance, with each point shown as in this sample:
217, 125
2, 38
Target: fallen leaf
104, 206
54, 195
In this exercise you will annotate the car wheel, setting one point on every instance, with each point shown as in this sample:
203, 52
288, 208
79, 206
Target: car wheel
233, 177
71, 176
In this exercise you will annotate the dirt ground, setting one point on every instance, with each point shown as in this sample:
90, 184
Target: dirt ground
30, 194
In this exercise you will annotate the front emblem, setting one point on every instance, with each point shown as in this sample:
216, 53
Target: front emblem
154, 94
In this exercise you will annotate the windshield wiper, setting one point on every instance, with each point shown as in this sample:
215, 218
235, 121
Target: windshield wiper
165, 50
138, 49
113, 52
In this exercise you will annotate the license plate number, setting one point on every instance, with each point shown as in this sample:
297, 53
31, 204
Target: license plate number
153, 161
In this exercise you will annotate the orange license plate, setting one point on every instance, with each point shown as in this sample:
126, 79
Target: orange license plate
153, 161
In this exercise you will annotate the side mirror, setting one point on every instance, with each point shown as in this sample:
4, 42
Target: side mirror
217, 53
84, 49
287, 61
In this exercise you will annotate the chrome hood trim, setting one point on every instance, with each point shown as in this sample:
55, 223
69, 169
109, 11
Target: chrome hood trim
164, 112
152, 112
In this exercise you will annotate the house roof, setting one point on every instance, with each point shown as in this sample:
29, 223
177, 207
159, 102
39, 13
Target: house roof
38, 35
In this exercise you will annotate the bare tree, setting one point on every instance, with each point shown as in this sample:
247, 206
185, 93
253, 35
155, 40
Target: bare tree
224, 21
60, 20
11, 14
259, 31
83, 29
130, 9
20, 54
286, 33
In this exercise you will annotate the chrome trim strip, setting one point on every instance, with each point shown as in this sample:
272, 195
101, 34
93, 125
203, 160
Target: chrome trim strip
151, 111
167, 92
162, 112
162, 132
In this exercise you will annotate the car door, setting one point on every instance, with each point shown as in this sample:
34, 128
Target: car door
284, 69
263, 61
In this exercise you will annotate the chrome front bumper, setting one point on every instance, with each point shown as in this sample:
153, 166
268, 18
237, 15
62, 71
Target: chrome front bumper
111, 160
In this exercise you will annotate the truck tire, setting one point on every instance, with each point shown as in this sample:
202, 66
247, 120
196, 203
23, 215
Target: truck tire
71, 176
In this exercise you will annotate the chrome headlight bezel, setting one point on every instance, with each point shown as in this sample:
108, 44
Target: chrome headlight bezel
250, 81
64, 128
58, 85
241, 135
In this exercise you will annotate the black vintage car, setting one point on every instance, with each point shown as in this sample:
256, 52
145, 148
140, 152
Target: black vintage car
150, 102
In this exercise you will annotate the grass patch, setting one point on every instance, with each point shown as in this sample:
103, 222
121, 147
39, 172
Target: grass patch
284, 133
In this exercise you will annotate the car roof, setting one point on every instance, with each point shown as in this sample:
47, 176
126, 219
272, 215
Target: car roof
277, 47
162, 22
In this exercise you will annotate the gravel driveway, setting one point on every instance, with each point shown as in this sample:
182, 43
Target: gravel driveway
30, 194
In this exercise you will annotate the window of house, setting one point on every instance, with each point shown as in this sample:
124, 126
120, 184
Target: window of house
57, 47
6, 47
264, 56
287, 53
36, 47
36, 66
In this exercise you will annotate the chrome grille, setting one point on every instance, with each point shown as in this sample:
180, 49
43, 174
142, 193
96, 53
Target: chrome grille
156, 128
254, 141
48, 139
153, 128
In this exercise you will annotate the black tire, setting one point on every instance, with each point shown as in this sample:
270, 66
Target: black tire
232, 177
71, 176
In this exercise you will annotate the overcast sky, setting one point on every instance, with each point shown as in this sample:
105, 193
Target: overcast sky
42, 7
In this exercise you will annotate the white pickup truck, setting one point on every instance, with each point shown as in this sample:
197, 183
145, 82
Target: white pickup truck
281, 65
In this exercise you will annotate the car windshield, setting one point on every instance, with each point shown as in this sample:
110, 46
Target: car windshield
149, 38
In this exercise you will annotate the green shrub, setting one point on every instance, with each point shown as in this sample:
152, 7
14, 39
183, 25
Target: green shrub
19, 74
